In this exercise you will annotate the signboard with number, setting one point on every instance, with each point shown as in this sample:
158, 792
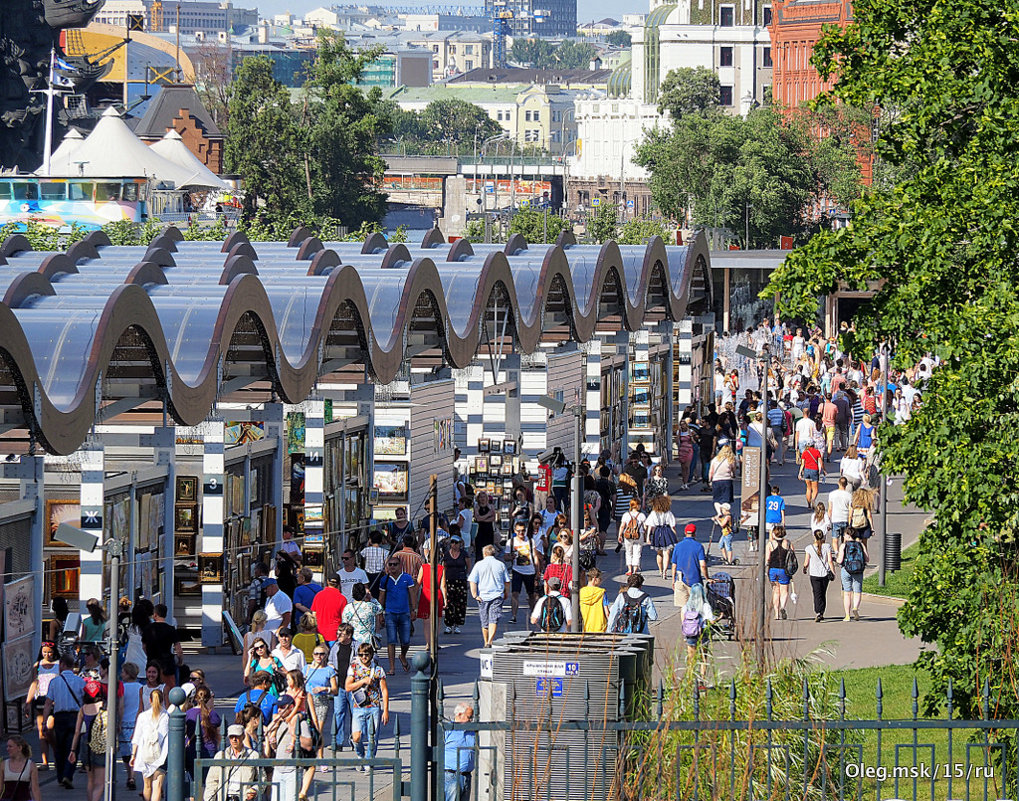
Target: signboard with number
553, 668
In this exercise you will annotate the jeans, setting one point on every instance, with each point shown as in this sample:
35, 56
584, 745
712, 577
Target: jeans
398, 628
63, 739
284, 784
693, 463
341, 718
705, 467
367, 721
562, 499
457, 786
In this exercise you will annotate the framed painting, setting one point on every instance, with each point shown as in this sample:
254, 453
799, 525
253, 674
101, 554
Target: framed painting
484, 445
57, 512
185, 519
187, 587
391, 440
187, 489
509, 447
64, 576
210, 568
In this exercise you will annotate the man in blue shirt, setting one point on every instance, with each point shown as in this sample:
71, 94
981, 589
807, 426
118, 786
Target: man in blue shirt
398, 596
774, 510
260, 695
490, 586
689, 566
63, 700
776, 421
304, 594
458, 756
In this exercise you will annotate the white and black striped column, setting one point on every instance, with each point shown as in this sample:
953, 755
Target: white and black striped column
475, 407
592, 399
91, 499
314, 477
213, 467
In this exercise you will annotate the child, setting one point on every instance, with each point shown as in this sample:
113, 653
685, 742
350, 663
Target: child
593, 609
724, 521
774, 510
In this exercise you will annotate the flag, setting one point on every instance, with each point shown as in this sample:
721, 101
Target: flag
59, 62
62, 82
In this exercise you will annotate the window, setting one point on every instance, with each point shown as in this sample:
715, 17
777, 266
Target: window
767, 57
468, 64
469, 50
537, 115
107, 192
728, 16
725, 95
725, 57
435, 48
51, 190
767, 16
527, 115
26, 191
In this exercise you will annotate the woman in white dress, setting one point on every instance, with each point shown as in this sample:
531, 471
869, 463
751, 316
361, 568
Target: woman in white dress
148, 744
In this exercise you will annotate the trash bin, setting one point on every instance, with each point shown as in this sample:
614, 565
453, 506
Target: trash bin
892, 551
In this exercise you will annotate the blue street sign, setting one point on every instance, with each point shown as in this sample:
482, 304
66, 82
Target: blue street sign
543, 685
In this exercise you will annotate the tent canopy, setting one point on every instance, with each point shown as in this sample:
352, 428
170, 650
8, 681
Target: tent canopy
62, 155
172, 148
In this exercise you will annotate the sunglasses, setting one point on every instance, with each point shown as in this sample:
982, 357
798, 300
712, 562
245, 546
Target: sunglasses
346, 558
321, 653
394, 564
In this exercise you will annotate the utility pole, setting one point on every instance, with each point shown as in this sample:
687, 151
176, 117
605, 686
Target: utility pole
114, 549
576, 509
883, 498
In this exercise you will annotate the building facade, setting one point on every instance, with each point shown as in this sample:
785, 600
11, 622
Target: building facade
543, 18
195, 16
795, 28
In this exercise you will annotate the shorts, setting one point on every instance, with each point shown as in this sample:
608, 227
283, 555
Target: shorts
838, 529
692, 641
851, 582
829, 434
811, 475
778, 575
398, 628
522, 580
725, 542
489, 611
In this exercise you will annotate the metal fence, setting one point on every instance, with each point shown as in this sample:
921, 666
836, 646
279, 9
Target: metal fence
774, 743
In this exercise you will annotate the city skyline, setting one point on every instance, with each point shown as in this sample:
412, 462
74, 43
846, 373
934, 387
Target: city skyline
587, 11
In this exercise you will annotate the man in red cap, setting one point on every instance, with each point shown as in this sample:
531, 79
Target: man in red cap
689, 566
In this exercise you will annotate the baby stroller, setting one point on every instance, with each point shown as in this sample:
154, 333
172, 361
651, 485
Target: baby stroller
721, 594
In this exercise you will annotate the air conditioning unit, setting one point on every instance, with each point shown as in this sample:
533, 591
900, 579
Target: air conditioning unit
199, 36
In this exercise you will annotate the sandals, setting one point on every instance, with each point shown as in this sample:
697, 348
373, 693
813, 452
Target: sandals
405, 663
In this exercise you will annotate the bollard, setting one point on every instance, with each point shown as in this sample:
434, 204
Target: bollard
175, 747
419, 704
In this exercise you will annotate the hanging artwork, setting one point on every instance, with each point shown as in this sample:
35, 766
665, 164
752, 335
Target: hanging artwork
391, 440
62, 511
187, 489
235, 433
295, 432
18, 661
19, 608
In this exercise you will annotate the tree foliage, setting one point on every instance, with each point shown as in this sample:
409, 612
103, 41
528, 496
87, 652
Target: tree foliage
760, 177
940, 245
542, 54
689, 90
603, 225
618, 39
638, 230
537, 226
457, 121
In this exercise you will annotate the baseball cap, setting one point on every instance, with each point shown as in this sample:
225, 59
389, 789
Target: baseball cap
285, 700
456, 538
189, 689
690, 529
236, 730
270, 582
554, 583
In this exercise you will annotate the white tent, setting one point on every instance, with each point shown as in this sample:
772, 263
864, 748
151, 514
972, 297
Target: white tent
62, 155
172, 148
113, 151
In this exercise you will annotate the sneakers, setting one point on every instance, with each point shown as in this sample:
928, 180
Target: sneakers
66, 784
448, 630
818, 618
783, 614
513, 619
846, 619
856, 614
456, 629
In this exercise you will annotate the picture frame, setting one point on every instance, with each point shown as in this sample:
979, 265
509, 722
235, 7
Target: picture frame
187, 489
187, 586
484, 445
244, 566
314, 558
640, 394
184, 544
210, 568
391, 440
507, 469
185, 519
65, 574
490, 487
509, 447
507, 485
640, 371
481, 464
495, 460
392, 480
640, 418
57, 512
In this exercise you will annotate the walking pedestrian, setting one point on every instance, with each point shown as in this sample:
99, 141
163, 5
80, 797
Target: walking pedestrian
364, 615
455, 589
366, 683
633, 609
724, 522
780, 569
853, 558
490, 586
633, 533
44, 671
820, 567
721, 474
689, 566
593, 608
458, 756
340, 654
428, 585
696, 614
322, 685
63, 701
237, 781
149, 746
91, 716
328, 607
398, 597
524, 556
552, 613
20, 776
304, 595
811, 472
839, 500
861, 513
278, 607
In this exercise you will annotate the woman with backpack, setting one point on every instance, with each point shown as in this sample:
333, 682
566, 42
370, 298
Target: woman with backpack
660, 525
861, 509
696, 613
632, 533
260, 658
90, 739
633, 608
853, 557
782, 565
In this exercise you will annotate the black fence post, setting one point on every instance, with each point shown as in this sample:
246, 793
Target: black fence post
420, 702
175, 747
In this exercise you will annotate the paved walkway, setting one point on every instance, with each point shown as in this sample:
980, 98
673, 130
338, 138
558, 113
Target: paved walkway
873, 641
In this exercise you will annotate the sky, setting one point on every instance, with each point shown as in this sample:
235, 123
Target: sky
587, 10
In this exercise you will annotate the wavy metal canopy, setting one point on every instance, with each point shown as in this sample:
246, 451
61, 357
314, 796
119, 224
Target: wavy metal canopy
173, 321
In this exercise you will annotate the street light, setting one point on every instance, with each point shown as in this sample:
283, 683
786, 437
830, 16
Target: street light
86, 541
576, 509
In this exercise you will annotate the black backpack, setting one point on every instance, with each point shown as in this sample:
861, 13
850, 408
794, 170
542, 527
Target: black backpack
853, 559
792, 563
632, 618
553, 617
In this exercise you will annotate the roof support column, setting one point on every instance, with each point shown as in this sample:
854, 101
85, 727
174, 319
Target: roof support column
682, 351
32, 472
275, 431
511, 365
91, 500
592, 398
494, 406
213, 467
163, 453
475, 407
314, 448
533, 418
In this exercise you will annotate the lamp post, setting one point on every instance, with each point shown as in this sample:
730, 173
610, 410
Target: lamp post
576, 504
885, 350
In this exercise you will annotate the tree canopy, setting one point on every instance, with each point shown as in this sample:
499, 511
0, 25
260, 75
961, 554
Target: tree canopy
618, 39
542, 54
689, 90
939, 245
443, 126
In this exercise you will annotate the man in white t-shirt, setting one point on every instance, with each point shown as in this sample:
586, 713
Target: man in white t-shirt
803, 435
554, 585
350, 574
465, 519
838, 510
278, 607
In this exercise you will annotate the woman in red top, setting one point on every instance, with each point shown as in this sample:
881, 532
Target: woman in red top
558, 568
424, 579
811, 472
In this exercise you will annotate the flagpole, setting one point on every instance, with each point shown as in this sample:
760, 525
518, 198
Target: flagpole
48, 139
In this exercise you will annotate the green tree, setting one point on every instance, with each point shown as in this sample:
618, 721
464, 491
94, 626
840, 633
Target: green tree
457, 121
264, 142
638, 230
537, 226
344, 126
571, 55
604, 224
618, 39
939, 247
536, 53
474, 231
689, 90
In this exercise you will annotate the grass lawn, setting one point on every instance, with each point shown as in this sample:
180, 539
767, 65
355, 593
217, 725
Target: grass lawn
897, 584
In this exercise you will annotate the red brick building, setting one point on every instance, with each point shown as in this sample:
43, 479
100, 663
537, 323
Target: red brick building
795, 28
178, 107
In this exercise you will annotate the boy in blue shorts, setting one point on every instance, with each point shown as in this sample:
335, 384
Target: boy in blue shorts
724, 521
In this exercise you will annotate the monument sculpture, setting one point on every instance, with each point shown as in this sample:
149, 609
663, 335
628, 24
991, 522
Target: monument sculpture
29, 33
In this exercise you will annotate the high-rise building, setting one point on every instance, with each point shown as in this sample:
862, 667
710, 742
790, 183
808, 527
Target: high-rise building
795, 28
549, 19
190, 16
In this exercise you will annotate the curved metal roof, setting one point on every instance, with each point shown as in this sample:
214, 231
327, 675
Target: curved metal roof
658, 17
174, 320
620, 80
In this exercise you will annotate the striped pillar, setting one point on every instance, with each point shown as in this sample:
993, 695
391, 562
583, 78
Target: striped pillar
275, 431
533, 418
494, 406
314, 477
33, 488
511, 366
592, 399
475, 407
683, 336
163, 452
460, 408
213, 467
91, 500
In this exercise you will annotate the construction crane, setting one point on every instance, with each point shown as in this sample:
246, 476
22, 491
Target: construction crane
156, 16
501, 17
